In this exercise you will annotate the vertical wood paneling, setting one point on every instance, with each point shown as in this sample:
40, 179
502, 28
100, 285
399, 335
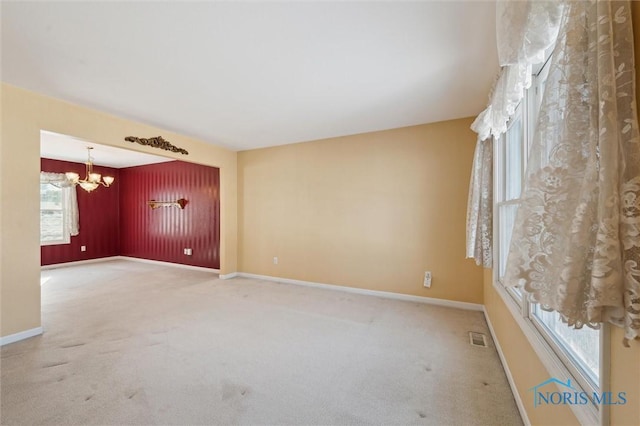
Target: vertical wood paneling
162, 234
99, 218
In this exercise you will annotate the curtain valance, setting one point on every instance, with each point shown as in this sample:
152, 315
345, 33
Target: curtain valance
525, 30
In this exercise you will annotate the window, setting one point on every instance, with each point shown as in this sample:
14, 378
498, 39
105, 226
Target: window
510, 149
59, 217
53, 229
582, 346
577, 351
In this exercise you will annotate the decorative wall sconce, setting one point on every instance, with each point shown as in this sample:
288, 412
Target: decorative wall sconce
91, 179
178, 203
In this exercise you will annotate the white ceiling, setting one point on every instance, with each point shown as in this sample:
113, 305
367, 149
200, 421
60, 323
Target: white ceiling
67, 148
254, 74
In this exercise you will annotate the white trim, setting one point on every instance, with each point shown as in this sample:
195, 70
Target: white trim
134, 259
79, 262
229, 276
65, 240
505, 367
16, 337
177, 265
605, 371
385, 294
586, 414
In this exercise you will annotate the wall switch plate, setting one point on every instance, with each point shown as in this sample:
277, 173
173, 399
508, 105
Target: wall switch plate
83, 248
427, 279
275, 260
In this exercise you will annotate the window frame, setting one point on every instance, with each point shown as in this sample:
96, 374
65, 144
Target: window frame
574, 367
499, 188
66, 235
554, 357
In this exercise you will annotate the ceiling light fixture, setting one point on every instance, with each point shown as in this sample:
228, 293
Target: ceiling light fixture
91, 180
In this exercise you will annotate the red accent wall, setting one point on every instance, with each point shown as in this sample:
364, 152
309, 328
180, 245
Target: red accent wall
163, 233
99, 218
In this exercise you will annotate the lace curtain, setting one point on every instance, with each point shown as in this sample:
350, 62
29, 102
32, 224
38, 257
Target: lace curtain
525, 30
576, 240
480, 206
71, 216
507, 93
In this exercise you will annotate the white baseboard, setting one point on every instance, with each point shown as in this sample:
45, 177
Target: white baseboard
176, 265
505, 367
16, 337
79, 262
229, 276
134, 259
385, 294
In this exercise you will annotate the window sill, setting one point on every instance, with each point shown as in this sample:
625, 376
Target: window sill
54, 243
586, 414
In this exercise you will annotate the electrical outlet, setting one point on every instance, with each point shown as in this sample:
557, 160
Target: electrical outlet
83, 248
275, 260
188, 251
427, 279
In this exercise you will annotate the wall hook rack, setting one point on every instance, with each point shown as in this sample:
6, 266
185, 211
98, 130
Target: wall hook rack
178, 203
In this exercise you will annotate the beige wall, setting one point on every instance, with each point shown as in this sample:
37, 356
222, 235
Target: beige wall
373, 211
24, 114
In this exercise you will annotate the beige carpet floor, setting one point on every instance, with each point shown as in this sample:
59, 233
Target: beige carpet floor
134, 343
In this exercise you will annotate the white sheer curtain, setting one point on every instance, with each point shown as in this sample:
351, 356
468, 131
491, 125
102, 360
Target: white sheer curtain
480, 206
576, 240
71, 216
524, 30
507, 93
